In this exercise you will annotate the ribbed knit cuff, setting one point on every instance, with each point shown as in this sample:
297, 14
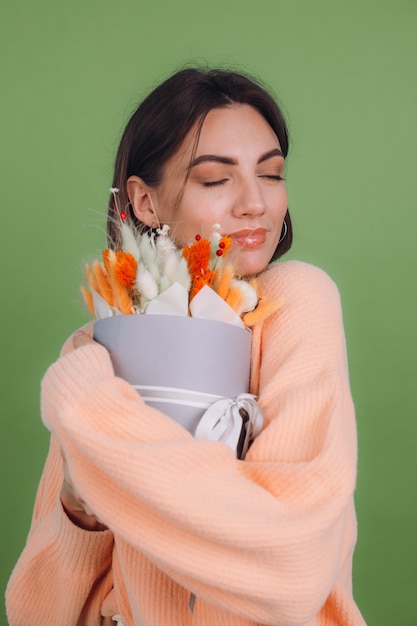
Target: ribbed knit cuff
80, 549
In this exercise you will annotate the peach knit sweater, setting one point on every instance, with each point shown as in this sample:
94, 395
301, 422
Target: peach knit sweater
267, 540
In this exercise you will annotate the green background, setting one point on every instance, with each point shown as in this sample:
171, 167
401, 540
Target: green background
71, 73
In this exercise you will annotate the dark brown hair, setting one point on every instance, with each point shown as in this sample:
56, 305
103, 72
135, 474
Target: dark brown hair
162, 121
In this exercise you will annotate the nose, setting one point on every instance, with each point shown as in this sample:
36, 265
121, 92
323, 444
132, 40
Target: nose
250, 201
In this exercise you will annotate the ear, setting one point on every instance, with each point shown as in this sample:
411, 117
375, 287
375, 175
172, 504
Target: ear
139, 196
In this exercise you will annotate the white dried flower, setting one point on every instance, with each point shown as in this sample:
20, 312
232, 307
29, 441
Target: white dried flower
250, 297
164, 284
182, 275
146, 284
164, 230
129, 242
171, 260
147, 250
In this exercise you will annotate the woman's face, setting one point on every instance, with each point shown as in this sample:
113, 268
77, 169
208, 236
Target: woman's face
235, 180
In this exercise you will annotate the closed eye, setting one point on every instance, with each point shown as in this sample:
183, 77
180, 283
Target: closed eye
273, 177
214, 183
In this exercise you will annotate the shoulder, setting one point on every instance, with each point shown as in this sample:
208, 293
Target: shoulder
308, 326
309, 297
297, 281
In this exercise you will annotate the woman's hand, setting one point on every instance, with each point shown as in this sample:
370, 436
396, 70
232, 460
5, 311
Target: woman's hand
81, 339
75, 507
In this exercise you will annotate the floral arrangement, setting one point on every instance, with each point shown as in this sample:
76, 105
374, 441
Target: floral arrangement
149, 274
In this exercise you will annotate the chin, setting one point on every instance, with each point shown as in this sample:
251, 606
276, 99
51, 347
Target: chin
250, 262
247, 270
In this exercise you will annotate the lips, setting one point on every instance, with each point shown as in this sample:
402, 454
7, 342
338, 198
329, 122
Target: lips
249, 238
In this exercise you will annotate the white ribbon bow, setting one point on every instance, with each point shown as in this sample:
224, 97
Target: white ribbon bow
235, 422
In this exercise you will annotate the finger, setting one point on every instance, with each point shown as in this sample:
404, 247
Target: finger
81, 339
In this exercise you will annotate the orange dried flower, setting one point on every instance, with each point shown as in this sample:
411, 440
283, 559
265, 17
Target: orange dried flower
106, 260
123, 301
125, 268
223, 285
91, 279
234, 298
88, 299
261, 312
225, 244
198, 257
103, 284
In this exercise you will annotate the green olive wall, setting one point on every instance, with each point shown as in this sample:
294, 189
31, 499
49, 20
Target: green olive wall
71, 73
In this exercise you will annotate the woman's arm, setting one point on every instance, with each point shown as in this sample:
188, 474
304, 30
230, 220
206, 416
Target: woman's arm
64, 571
265, 538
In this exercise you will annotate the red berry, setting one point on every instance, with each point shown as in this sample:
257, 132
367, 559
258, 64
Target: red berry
197, 237
222, 245
219, 252
123, 215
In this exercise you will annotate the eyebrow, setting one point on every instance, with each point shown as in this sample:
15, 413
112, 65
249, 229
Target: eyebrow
214, 158
276, 152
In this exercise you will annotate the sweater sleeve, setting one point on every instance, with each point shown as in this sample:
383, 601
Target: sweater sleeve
263, 538
62, 570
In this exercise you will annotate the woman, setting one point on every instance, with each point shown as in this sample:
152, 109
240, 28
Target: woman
141, 517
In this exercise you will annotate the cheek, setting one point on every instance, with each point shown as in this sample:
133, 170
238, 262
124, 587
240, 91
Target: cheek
199, 218
281, 205
283, 196
186, 225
